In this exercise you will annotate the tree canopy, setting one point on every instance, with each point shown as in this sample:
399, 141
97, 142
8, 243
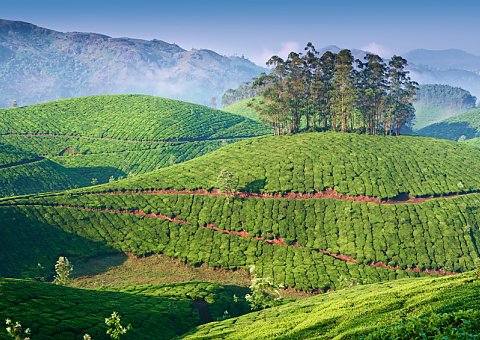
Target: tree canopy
335, 92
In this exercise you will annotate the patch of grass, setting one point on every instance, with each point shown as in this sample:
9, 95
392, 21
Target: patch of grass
154, 270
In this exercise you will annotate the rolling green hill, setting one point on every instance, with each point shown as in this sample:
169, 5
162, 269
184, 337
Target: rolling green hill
466, 124
363, 310
323, 218
155, 312
242, 108
100, 137
375, 166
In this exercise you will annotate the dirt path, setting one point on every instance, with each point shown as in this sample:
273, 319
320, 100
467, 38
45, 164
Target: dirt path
278, 240
171, 140
25, 161
326, 194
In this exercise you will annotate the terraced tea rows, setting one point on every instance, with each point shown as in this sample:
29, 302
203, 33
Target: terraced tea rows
93, 139
306, 241
124, 117
375, 166
155, 312
357, 312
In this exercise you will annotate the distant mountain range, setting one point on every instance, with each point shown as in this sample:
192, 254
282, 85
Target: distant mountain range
38, 64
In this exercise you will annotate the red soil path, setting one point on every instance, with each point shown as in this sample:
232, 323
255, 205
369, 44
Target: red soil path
326, 194
278, 240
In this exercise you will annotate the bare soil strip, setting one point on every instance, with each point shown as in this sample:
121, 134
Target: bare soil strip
278, 240
326, 194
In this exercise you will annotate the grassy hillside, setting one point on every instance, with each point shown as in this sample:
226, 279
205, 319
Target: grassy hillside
466, 124
155, 312
115, 136
356, 312
242, 108
312, 243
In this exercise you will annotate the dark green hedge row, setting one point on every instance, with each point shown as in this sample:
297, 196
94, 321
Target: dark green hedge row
441, 233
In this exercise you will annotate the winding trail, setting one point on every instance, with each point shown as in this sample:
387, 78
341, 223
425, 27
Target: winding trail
171, 140
326, 194
278, 240
22, 162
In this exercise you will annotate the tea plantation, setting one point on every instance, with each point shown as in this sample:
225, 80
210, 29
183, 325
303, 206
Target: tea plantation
312, 244
365, 310
91, 140
155, 312
374, 166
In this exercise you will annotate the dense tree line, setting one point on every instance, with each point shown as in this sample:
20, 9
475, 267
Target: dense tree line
309, 91
445, 96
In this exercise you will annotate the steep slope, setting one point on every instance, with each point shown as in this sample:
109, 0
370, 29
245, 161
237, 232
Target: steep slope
38, 64
91, 139
356, 312
155, 312
314, 211
466, 124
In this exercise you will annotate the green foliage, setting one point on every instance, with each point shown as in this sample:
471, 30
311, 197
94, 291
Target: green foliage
227, 183
454, 325
69, 313
155, 311
264, 292
466, 124
148, 118
362, 310
329, 93
63, 271
242, 92
16, 331
115, 328
399, 235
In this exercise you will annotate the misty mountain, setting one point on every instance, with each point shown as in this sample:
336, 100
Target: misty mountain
38, 64
451, 59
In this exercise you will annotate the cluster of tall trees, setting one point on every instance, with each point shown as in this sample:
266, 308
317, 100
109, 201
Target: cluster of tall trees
309, 91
